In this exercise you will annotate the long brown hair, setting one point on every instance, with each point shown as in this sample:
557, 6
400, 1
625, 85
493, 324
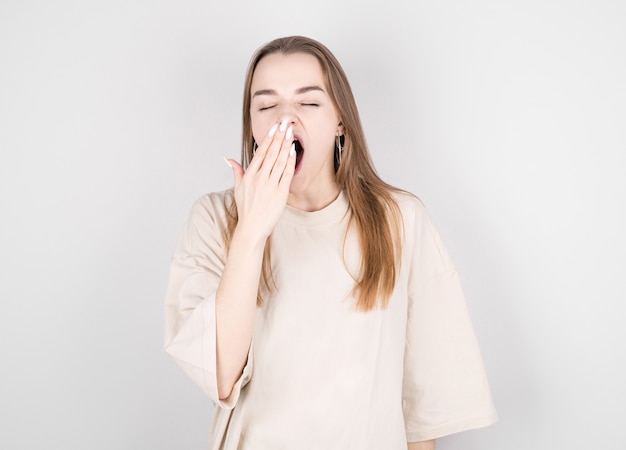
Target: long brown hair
374, 212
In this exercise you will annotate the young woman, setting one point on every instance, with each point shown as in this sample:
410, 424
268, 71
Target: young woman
314, 303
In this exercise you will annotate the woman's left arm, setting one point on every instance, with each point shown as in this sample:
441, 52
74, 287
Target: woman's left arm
424, 445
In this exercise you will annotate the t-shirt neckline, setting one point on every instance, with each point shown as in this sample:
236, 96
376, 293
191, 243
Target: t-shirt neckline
333, 212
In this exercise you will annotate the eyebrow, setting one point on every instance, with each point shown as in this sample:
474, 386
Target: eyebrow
302, 90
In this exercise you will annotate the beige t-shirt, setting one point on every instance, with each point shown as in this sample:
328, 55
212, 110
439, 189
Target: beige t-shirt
320, 374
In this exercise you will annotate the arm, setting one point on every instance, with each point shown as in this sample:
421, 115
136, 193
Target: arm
424, 445
445, 388
261, 195
235, 308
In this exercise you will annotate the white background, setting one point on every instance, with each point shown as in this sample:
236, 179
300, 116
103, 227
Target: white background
507, 118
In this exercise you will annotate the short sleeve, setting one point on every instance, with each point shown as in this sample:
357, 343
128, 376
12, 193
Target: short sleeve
445, 388
195, 271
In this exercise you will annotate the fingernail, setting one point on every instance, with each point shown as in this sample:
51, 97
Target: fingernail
273, 130
283, 124
289, 133
227, 162
292, 150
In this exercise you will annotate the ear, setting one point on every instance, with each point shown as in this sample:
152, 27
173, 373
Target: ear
340, 129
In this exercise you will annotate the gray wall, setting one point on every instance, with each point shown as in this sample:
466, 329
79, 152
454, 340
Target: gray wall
506, 118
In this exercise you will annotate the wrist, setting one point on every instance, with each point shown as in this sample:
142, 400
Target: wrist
248, 238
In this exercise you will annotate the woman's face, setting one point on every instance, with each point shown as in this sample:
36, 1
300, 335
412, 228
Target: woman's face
292, 87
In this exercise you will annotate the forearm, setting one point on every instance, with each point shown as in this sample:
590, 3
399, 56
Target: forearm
235, 308
424, 445
261, 193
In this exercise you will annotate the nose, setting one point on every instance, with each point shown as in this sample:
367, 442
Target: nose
287, 113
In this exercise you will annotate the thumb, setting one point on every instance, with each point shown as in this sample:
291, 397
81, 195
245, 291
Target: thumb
237, 169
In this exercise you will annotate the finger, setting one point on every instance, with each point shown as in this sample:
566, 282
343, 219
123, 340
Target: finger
290, 168
283, 156
259, 156
275, 147
237, 170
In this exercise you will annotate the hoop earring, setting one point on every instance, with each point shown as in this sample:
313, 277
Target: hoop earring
339, 149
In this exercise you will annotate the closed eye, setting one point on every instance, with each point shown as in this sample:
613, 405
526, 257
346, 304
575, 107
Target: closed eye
309, 104
265, 108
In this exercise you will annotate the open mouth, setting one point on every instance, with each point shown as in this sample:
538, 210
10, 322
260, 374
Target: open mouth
299, 152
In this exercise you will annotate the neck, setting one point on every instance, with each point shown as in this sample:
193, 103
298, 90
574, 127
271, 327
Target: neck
314, 201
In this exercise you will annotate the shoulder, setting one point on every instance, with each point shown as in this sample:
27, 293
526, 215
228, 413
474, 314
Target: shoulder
209, 213
212, 206
420, 231
205, 224
411, 207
